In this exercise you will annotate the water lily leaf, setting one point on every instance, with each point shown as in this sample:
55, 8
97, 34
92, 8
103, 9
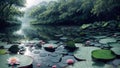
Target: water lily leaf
53, 45
85, 52
114, 44
24, 60
103, 54
116, 50
99, 37
90, 64
107, 40
116, 62
84, 26
2, 51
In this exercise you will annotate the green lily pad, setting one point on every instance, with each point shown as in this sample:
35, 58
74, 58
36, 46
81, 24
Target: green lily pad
116, 50
2, 51
24, 60
103, 54
107, 40
84, 26
114, 44
84, 52
90, 64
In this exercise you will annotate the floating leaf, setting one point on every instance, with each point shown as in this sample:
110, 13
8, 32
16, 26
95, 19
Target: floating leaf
116, 50
107, 40
114, 44
84, 26
85, 52
90, 64
103, 54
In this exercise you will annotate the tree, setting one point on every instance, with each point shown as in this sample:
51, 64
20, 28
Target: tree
76, 11
9, 9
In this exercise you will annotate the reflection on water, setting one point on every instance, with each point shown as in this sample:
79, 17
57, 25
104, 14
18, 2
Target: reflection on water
6, 34
52, 32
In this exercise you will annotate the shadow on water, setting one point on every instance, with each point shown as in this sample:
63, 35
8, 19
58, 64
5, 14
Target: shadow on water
6, 34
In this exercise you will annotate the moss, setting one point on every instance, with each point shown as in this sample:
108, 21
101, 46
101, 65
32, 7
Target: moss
70, 43
70, 46
103, 54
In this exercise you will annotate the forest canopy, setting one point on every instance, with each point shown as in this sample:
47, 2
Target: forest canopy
75, 11
10, 11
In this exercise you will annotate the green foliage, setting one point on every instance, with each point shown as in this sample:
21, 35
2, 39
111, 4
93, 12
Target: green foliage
103, 54
9, 10
70, 44
75, 11
104, 6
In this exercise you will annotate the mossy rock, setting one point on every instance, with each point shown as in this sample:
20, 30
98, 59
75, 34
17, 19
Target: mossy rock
70, 43
107, 40
14, 49
70, 46
2, 51
116, 50
102, 54
90, 64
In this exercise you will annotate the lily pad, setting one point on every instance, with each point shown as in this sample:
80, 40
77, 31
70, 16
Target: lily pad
99, 37
84, 26
65, 58
107, 40
114, 44
24, 60
90, 64
103, 54
85, 52
116, 50
79, 44
50, 47
2, 51
116, 62
53, 45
